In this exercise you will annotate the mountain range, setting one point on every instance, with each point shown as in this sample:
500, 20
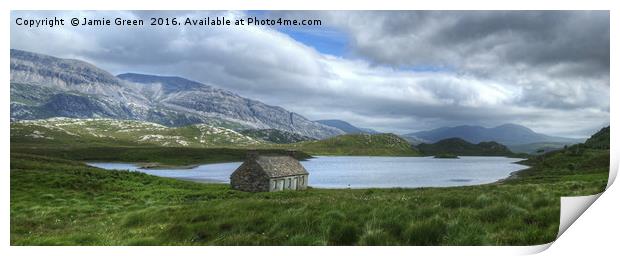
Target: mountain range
507, 134
44, 86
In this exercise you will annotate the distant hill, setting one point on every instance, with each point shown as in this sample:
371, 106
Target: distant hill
346, 127
460, 147
275, 136
507, 134
385, 144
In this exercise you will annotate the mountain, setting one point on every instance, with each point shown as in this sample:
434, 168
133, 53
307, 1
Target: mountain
187, 96
507, 134
460, 147
385, 144
275, 136
169, 84
44, 86
346, 127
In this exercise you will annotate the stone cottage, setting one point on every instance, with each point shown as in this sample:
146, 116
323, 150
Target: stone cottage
269, 173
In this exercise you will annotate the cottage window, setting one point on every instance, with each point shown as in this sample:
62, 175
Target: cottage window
289, 182
275, 184
302, 180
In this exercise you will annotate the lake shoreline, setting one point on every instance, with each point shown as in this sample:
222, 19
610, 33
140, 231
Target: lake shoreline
513, 175
355, 172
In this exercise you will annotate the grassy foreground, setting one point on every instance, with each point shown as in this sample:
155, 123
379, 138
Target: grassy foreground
64, 202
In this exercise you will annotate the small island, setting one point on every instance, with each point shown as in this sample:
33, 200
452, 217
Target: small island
447, 156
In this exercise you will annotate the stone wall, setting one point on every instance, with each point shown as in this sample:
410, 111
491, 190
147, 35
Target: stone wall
248, 177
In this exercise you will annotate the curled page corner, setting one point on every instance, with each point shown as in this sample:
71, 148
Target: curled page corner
570, 210
613, 168
572, 207
533, 249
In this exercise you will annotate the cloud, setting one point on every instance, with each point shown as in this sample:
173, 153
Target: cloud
546, 70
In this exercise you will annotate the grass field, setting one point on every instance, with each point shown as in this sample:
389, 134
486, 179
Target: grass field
64, 202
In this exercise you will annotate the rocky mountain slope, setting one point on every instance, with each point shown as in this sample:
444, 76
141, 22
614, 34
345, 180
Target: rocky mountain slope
44, 86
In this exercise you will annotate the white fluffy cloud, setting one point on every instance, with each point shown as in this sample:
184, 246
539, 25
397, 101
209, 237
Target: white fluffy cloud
522, 67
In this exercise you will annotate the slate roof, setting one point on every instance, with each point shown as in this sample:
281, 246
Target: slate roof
280, 166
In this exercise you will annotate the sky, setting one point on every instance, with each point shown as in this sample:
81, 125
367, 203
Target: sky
393, 71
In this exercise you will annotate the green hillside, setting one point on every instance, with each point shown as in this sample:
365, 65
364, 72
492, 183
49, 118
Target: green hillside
588, 161
124, 132
460, 147
385, 144
600, 140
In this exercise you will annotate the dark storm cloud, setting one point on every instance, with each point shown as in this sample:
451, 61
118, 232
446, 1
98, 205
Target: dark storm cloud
546, 70
451, 37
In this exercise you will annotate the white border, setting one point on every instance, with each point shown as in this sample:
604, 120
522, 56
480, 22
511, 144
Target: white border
591, 223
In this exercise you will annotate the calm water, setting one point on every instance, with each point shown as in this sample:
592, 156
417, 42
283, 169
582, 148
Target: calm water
365, 172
